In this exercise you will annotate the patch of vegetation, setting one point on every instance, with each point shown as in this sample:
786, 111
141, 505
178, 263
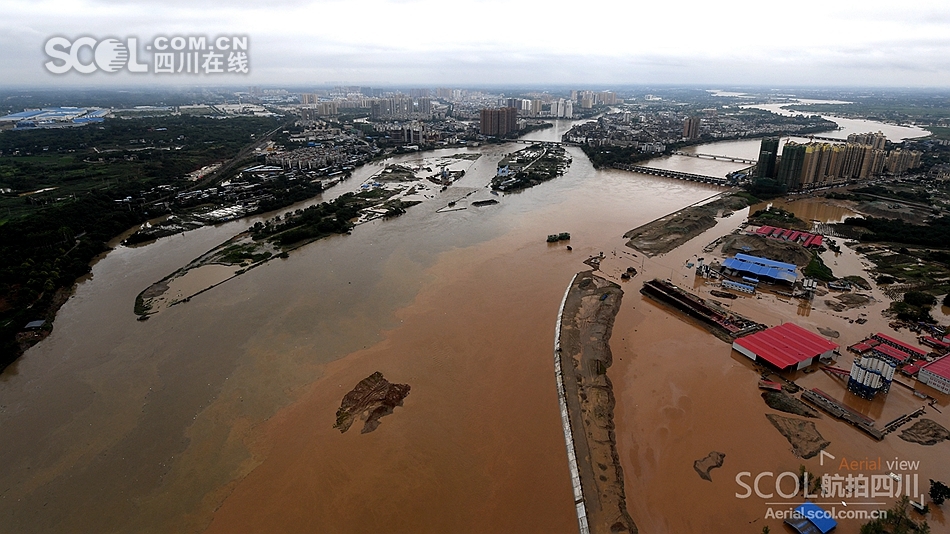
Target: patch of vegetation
396, 208
913, 196
939, 492
910, 313
840, 196
235, 254
48, 239
919, 299
897, 521
936, 233
608, 156
766, 188
858, 281
817, 269
318, 221
778, 217
749, 198
939, 132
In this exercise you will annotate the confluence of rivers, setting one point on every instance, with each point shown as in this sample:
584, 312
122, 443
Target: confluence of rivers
216, 415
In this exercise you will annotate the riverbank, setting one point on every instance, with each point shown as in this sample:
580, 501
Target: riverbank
671, 231
585, 325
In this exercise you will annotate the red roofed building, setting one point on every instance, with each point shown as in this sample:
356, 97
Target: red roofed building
900, 345
910, 369
934, 342
936, 374
786, 347
890, 353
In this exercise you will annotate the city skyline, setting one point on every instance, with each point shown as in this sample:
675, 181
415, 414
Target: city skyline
426, 43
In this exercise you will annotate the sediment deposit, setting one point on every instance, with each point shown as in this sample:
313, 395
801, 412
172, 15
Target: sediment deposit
585, 325
372, 398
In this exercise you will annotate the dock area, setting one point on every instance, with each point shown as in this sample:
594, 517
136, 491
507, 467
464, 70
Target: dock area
720, 319
832, 407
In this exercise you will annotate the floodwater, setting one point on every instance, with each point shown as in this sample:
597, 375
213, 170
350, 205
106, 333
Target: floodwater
217, 414
682, 393
894, 132
810, 209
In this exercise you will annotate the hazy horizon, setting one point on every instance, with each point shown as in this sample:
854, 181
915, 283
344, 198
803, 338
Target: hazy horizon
493, 43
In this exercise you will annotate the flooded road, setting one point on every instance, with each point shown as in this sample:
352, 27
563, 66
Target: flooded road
217, 414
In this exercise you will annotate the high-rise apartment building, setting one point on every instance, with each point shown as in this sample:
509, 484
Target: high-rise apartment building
875, 140
498, 122
768, 153
900, 160
424, 105
791, 165
691, 127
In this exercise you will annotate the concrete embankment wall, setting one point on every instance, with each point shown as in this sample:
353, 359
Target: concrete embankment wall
566, 420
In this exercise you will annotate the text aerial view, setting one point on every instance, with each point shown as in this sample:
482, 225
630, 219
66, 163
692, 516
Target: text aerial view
512, 267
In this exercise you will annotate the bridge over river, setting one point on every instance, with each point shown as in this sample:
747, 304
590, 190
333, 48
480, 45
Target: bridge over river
715, 180
716, 157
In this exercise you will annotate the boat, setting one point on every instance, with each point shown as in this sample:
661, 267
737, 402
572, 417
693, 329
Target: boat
770, 385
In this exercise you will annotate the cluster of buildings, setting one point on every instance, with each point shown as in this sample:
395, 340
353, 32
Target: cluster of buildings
498, 122
816, 164
53, 118
651, 123
880, 355
589, 99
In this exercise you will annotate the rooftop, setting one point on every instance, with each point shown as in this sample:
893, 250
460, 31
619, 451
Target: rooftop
900, 344
939, 367
775, 270
786, 345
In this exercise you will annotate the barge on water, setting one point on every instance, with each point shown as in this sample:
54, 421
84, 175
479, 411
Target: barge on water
710, 313
832, 407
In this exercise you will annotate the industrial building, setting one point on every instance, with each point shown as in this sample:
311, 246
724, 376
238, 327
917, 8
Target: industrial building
809, 518
906, 348
871, 375
786, 347
760, 268
936, 374
806, 239
54, 117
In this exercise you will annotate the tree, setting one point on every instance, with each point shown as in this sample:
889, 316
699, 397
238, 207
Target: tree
939, 492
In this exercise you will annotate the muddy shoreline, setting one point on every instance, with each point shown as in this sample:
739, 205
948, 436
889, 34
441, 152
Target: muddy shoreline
585, 326
670, 231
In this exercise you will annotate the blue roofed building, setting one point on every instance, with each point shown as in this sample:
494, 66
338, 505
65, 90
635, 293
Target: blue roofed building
809, 518
765, 269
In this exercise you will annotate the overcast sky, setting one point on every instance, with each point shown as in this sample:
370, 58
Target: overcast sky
480, 42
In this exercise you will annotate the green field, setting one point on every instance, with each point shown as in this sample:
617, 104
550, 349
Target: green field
940, 132
69, 187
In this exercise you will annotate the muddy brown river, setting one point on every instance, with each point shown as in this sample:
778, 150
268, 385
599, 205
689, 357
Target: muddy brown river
217, 414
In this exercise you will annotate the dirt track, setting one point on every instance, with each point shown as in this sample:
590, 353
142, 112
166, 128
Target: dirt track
667, 233
586, 324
